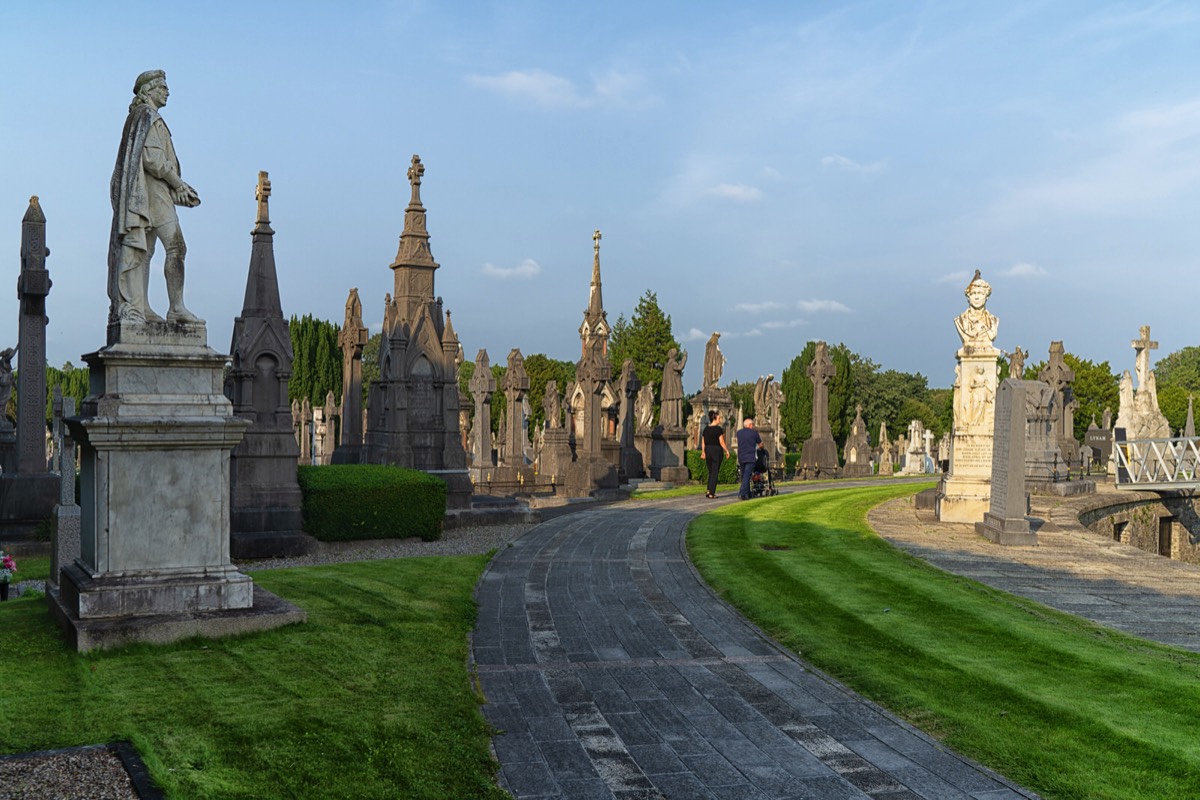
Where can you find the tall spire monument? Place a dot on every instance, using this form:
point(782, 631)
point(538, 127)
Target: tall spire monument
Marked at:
point(265, 501)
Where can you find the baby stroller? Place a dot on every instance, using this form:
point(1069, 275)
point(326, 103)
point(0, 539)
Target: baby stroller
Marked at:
point(761, 482)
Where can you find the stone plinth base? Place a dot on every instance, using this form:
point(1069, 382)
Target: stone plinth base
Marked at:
point(586, 477)
point(347, 454)
point(667, 454)
point(87, 595)
point(964, 499)
point(1006, 531)
point(819, 458)
point(555, 458)
point(270, 544)
point(1061, 488)
point(458, 486)
point(266, 611)
point(25, 501)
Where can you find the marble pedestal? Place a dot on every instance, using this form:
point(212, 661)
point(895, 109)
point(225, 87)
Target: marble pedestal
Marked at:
point(155, 436)
point(965, 493)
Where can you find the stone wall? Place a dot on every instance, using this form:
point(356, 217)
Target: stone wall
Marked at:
point(1166, 525)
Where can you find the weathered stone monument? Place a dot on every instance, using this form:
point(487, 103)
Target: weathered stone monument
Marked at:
point(643, 412)
point(412, 416)
point(670, 437)
point(1004, 522)
point(964, 493)
point(155, 436)
point(65, 523)
point(28, 491)
point(1060, 377)
point(483, 386)
point(1099, 441)
point(916, 453)
point(353, 338)
point(1139, 413)
point(768, 397)
point(627, 390)
point(591, 399)
point(884, 454)
point(857, 451)
point(265, 500)
point(713, 397)
point(516, 390)
point(819, 456)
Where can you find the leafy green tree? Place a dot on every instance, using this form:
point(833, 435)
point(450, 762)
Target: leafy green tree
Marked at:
point(1173, 402)
point(796, 411)
point(646, 338)
point(73, 380)
point(1181, 368)
point(542, 368)
point(742, 395)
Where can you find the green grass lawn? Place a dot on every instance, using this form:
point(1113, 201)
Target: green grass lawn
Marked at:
point(32, 568)
point(1056, 703)
point(369, 698)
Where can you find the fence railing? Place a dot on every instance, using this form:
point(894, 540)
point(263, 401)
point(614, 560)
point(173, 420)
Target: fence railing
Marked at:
point(1156, 463)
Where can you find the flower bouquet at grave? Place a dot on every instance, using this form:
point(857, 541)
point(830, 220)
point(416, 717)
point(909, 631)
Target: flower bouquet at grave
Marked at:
point(8, 565)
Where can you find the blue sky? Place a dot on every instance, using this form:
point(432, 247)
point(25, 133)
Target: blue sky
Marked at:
point(775, 171)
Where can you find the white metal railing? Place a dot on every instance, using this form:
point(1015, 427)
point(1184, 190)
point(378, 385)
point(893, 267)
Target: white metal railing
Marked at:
point(1157, 463)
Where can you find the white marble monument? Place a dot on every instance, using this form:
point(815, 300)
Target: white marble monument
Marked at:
point(965, 492)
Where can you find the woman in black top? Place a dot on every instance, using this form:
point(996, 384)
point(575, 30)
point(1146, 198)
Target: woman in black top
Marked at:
point(715, 450)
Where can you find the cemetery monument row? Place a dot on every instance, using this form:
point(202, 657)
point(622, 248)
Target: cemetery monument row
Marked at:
point(155, 566)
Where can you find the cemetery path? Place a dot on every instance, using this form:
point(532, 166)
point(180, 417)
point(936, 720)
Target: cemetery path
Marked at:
point(612, 671)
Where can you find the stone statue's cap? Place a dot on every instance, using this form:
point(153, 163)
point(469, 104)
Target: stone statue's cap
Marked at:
point(980, 282)
point(146, 77)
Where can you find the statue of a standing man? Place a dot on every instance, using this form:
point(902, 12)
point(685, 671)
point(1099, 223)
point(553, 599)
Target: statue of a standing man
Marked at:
point(145, 189)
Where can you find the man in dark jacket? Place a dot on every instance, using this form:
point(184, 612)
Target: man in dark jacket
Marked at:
point(747, 445)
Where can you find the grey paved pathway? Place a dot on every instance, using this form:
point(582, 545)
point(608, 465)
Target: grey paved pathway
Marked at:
point(613, 672)
point(1072, 569)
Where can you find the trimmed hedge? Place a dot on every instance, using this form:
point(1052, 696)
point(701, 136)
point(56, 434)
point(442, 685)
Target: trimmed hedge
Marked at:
point(343, 502)
point(790, 462)
point(698, 468)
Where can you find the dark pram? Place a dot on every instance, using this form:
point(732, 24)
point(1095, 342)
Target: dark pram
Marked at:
point(761, 482)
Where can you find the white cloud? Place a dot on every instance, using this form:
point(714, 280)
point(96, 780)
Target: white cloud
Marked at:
point(738, 192)
point(850, 165)
point(536, 85)
point(758, 308)
point(613, 88)
point(525, 270)
point(694, 335)
point(961, 276)
point(778, 324)
point(1024, 269)
point(815, 306)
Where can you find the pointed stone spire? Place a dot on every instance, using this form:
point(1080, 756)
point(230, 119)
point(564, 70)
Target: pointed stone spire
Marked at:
point(449, 337)
point(33, 285)
point(1189, 427)
point(262, 282)
point(595, 318)
point(414, 241)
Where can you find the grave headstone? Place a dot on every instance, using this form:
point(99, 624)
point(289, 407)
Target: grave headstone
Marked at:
point(819, 455)
point(482, 385)
point(857, 451)
point(1060, 377)
point(1004, 522)
point(628, 388)
point(353, 338)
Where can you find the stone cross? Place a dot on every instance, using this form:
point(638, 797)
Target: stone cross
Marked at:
point(414, 177)
point(1143, 346)
point(482, 385)
point(353, 338)
point(821, 371)
point(261, 193)
point(596, 239)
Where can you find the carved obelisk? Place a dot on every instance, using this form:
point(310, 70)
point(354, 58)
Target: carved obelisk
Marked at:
point(33, 285)
point(819, 456)
point(265, 499)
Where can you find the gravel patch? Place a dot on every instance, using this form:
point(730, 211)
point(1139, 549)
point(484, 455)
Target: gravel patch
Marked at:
point(91, 773)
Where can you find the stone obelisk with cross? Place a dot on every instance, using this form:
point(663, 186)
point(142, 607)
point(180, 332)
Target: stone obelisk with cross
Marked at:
point(265, 499)
point(819, 456)
point(353, 339)
point(1060, 377)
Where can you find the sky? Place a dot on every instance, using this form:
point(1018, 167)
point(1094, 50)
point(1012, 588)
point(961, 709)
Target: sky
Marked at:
point(778, 172)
